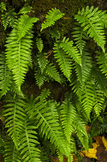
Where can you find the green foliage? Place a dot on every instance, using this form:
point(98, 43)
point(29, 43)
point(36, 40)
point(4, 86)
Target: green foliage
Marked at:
point(39, 43)
point(52, 16)
point(9, 19)
point(35, 122)
point(2, 6)
point(90, 20)
point(19, 48)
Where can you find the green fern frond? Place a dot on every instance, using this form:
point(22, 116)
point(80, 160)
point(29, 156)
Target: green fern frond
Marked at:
point(80, 128)
point(64, 61)
point(87, 98)
point(52, 16)
point(24, 24)
point(42, 61)
point(98, 101)
point(100, 79)
point(18, 55)
point(9, 19)
point(103, 17)
point(25, 10)
point(48, 123)
point(68, 115)
point(52, 72)
point(83, 72)
point(11, 154)
point(5, 76)
point(40, 78)
point(44, 94)
point(71, 50)
point(102, 61)
point(39, 43)
point(28, 143)
point(15, 115)
point(79, 36)
point(90, 21)
point(55, 34)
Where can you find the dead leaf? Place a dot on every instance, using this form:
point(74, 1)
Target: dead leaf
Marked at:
point(104, 142)
point(75, 159)
point(54, 159)
point(98, 140)
point(91, 153)
point(88, 128)
point(86, 159)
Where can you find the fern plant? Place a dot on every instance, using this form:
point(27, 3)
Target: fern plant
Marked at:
point(28, 120)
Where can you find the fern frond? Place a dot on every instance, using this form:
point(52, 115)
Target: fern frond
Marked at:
point(18, 56)
point(44, 94)
point(71, 50)
point(52, 16)
point(83, 71)
point(19, 48)
point(80, 128)
point(24, 24)
point(98, 101)
point(9, 19)
point(103, 17)
point(79, 36)
point(68, 115)
point(25, 10)
point(102, 61)
point(40, 78)
point(64, 61)
point(28, 143)
point(48, 122)
point(52, 72)
point(5, 76)
point(42, 61)
point(14, 113)
point(87, 98)
point(11, 154)
point(100, 79)
point(90, 21)
point(55, 33)
point(39, 43)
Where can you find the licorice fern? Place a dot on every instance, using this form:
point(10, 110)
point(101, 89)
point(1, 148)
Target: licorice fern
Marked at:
point(30, 122)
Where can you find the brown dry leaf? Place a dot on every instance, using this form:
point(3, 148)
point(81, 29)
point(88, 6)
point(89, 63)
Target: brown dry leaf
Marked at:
point(98, 140)
point(91, 153)
point(75, 159)
point(54, 159)
point(88, 128)
point(104, 142)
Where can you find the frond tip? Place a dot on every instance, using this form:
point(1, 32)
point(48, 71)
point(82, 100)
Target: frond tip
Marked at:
point(52, 16)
